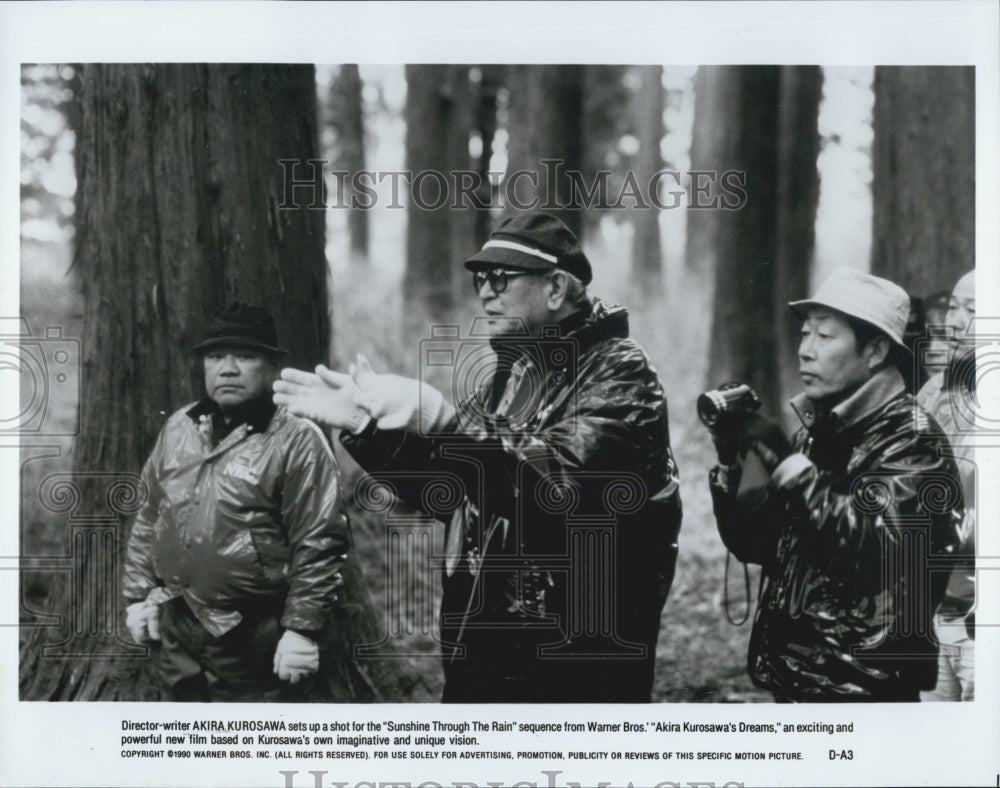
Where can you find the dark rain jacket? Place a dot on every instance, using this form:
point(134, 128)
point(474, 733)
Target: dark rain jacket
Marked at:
point(563, 526)
point(848, 546)
point(246, 524)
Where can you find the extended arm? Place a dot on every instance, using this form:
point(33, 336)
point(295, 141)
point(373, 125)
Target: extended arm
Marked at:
point(614, 420)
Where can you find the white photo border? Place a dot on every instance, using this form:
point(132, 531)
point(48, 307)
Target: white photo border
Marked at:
point(78, 744)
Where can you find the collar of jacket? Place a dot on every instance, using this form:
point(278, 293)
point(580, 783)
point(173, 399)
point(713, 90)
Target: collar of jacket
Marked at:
point(880, 388)
point(256, 413)
point(589, 325)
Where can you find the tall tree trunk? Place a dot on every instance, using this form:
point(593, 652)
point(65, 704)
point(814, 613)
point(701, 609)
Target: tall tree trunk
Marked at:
point(491, 80)
point(711, 134)
point(646, 255)
point(463, 94)
point(762, 249)
point(607, 117)
point(348, 121)
point(745, 245)
point(179, 187)
point(545, 118)
point(798, 198)
point(924, 185)
point(439, 117)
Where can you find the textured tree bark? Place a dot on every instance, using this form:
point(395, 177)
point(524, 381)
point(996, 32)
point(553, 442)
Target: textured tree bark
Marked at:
point(544, 124)
point(348, 121)
point(440, 115)
point(463, 94)
point(924, 176)
point(798, 198)
point(761, 249)
point(745, 242)
point(714, 95)
point(179, 187)
point(491, 79)
point(646, 256)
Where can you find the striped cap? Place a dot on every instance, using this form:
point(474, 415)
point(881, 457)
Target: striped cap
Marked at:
point(534, 241)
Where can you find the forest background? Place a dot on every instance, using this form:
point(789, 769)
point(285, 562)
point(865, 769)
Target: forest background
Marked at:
point(153, 194)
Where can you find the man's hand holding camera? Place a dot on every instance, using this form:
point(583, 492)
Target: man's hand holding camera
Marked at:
point(731, 414)
point(738, 434)
point(726, 438)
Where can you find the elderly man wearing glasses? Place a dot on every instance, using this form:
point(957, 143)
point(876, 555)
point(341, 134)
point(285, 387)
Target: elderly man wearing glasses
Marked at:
point(560, 553)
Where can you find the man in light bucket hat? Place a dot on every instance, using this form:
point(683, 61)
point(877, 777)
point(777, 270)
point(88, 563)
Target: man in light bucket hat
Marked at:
point(854, 507)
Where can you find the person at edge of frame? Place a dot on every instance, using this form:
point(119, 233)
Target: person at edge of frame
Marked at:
point(234, 561)
point(521, 622)
point(946, 396)
point(848, 513)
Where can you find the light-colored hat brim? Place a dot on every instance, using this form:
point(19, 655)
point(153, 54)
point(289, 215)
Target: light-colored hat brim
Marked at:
point(801, 307)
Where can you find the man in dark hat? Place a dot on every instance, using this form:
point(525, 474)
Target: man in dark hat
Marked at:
point(853, 519)
point(562, 539)
point(234, 560)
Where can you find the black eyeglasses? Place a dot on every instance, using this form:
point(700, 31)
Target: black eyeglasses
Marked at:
point(497, 277)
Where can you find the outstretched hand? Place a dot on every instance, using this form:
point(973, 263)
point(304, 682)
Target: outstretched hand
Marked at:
point(395, 402)
point(325, 396)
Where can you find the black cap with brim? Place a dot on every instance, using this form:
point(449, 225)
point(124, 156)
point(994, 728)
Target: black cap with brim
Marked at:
point(242, 325)
point(238, 342)
point(488, 258)
point(534, 242)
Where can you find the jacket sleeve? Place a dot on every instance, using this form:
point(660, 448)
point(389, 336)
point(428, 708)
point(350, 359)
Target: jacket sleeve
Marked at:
point(749, 523)
point(317, 530)
point(402, 453)
point(908, 485)
point(615, 421)
point(139, 574)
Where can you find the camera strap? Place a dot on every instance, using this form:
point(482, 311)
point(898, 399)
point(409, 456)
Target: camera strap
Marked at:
point(725, 594)
point(475, 583)
point(753, 476)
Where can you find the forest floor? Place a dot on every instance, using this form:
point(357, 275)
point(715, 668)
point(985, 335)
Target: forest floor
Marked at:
point(701, 657)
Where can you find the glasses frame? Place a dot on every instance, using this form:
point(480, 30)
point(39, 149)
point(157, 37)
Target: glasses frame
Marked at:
point(498, 278)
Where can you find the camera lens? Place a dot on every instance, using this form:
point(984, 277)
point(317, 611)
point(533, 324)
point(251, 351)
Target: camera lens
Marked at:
point(708, 408)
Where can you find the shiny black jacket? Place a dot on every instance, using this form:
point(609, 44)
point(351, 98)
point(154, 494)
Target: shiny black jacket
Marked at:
point(250, 521)
point(848, 546)
point(563, 526)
